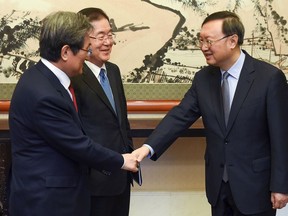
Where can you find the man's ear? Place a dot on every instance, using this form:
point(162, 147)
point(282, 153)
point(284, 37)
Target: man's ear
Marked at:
point(234, 40)
point(65, 52)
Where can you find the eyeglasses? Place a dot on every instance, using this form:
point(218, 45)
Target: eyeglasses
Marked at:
point(209, 43)
point(89, 51)
point(103, 38)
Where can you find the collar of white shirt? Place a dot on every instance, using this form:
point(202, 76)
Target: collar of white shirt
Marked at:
point(95, 69)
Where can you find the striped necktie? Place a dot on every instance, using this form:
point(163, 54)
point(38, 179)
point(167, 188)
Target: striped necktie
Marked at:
point(226, 96)
point(226, 109)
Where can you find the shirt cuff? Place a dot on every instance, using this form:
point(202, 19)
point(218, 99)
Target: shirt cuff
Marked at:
point(151, 153)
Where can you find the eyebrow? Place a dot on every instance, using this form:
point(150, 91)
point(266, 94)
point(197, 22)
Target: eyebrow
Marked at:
point(103, 32)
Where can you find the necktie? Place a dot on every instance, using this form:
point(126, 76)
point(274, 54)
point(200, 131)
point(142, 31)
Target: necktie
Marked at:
point(226, 108)
point(226, 96)
point(71, 89)
point(106, 87)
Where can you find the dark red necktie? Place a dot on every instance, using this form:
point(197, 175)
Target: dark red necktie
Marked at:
point(71, 89)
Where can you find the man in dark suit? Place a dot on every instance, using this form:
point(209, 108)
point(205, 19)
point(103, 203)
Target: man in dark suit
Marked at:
point(50, 152)
point(103, 120)
point(246, 159)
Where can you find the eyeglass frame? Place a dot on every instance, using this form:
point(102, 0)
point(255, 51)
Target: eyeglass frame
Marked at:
point(89, 50)
point(103, 38)
point(209, 43)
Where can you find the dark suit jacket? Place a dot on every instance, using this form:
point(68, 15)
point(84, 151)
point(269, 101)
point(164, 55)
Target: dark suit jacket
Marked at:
point(50, 153)
point(101, 123)
point(255, 144)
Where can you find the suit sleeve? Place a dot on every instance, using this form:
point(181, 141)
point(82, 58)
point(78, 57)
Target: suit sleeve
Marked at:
point(56, 122)
point(178, 119)
point(277, 114)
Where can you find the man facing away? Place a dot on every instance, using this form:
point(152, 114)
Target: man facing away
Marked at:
point(50, 152)
point(243, 103)
point(104, 120)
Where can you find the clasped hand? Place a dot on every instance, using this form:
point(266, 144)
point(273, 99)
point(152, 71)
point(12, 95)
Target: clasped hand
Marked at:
point(132, 161)
point(141, 153)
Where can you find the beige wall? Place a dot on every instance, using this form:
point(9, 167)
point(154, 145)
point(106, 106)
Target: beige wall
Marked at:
point(180, 168)
point(173, 185)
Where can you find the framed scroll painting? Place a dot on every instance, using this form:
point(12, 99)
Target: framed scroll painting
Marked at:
point(155, 45)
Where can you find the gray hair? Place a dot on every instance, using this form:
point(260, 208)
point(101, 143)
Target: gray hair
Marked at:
point(62, 28)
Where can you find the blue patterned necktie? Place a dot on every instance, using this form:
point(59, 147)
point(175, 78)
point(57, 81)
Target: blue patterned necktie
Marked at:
point(106, 87)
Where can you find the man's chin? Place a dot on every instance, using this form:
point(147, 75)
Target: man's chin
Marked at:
point(105, 58)
point(210, 62)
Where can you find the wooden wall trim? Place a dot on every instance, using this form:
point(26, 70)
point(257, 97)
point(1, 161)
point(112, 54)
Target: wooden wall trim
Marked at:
point(4, 106)
point(151, 105)
point(132, 105)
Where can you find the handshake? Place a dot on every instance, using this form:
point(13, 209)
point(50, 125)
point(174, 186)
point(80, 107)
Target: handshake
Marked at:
point(132, 160)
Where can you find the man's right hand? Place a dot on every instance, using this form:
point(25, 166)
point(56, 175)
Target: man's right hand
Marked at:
point(141, 153)
point(130, 162)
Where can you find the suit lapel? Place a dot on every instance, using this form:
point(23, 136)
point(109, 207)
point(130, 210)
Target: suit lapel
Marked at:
point(55, 82)
point(93, 83)
point(58, 86)
point(114, 88)
point(216, 99)
point(244, 84)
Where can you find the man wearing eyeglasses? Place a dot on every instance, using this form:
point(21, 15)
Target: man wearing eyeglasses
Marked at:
point(243, 103)
point(50, 152)
point(103, 112)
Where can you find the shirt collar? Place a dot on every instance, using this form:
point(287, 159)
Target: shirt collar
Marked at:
point(61, 75)
point(235, 70)
point(95, 69)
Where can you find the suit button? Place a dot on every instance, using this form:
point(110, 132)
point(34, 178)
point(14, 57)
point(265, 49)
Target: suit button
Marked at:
point(107, 173)
point(221, 165)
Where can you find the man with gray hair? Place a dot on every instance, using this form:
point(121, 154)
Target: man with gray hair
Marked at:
point(50, 152)
point(104, 118)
